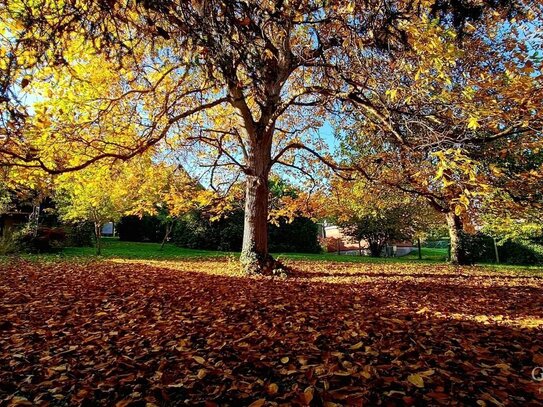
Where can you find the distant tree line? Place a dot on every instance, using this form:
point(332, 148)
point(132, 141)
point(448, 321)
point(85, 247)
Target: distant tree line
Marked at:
point(197, 230)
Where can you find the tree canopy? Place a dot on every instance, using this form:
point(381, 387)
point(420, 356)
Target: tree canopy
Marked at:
point(242, 86)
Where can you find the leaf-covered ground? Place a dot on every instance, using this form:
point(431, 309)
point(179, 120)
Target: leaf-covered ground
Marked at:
point(198, 333)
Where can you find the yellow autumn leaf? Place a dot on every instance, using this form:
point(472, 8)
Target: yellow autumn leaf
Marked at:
point(284, 359)
point(473, 123)
point(427, 373)
point(356, 346)
point(423, 310)
point(392, 93)
point(416, 380)
point(258, 403)
point(199, 359)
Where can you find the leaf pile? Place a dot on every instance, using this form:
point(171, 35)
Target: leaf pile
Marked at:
point(131, 334)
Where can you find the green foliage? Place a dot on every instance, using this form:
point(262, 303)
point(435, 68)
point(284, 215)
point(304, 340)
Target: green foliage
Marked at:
point(298, 236)
point(379, 228)
point(145, 229)
point(195, 230)
point(477, 248)
point(9, 243)
point(521, 252)
point(5, 200)
point(480, 249)
point(80, 235)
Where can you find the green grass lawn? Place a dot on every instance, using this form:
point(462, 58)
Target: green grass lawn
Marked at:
point(114, 248)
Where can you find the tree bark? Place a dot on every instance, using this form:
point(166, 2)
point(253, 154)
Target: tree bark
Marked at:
point(254, 252)
point(169, 228)
point(420, 251)
point(98, 233)
point(375, 248)
point(456, 230)
point(496, 253)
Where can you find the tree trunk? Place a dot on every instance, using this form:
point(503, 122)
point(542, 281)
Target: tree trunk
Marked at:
point(420, 251)
point(496, 253)
point(456, 230)
point(169, 228)
point(98, 234)
point(375, 248)
point(254, 252)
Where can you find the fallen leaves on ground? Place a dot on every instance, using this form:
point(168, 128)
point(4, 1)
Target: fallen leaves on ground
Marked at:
point(198, 333)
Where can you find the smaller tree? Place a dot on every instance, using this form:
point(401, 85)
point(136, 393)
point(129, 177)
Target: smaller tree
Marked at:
point(104, 192)
point(96, 194)
point(378, 228)
point(379, 214)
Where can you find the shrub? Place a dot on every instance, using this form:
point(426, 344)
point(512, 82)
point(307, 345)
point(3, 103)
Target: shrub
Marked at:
point(298, 236)
point(80, 235)
point(135, 229)
point(521, 252)
point(9, 243)
point(45, 240)
point(196, 231)
point(480, 249)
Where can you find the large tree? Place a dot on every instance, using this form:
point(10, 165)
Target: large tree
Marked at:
point(243, 82)
point(456, 119)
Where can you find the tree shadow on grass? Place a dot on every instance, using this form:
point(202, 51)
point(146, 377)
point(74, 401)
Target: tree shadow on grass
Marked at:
point(135, 334)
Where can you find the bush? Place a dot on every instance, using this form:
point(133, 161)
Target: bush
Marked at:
point(146, 229)
point(480, 249)
point(80, 235)
point(9, 243)
point(521, 252)
point(298, 236)
point(230, 232)
point(196, 231)
point(45, 240)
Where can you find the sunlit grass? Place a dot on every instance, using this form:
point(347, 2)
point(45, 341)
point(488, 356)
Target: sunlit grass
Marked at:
point(114, 248)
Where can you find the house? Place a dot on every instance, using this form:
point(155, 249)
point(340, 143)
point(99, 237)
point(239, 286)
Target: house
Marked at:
point(333, 240)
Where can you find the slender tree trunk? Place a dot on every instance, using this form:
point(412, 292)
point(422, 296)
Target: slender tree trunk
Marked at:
point(456, 230)
point(418, 246)
point(359, 248)
point(98, 233)
point(169, 228)
point(496, 253)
